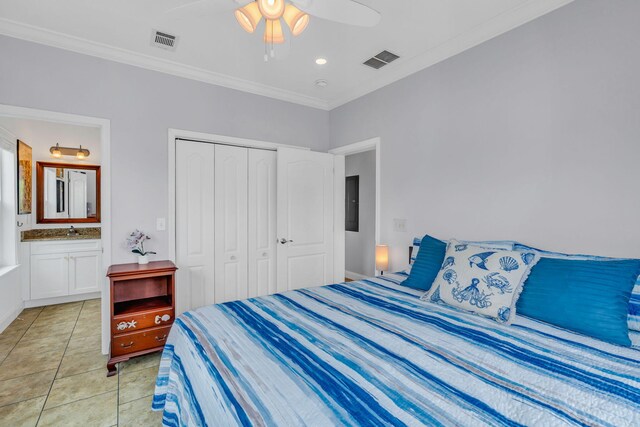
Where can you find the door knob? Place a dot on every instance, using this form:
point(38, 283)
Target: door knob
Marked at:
point(285, 241)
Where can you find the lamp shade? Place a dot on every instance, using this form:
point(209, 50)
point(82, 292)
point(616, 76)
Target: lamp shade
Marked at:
point(296, 19)
point(271, 9)
point(382, 257)
point(273, 32)
point(249, 17)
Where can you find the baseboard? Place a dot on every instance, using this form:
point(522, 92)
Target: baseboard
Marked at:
point(10, 317)
point(61, 300)
point(354, 276)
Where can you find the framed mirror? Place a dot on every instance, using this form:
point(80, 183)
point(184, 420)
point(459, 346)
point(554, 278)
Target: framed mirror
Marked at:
point(67, 193)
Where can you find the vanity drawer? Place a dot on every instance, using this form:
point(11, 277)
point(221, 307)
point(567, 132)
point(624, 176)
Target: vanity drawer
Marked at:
point(125, 323)
point(138, 341)
point(62, 246)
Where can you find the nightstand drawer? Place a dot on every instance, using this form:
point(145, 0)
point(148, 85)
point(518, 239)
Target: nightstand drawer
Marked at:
point(138, 341)
point(126, 323)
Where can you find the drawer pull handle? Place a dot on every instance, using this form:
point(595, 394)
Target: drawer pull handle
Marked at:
point(162, 338)
point(163, 318)
point(123, 345)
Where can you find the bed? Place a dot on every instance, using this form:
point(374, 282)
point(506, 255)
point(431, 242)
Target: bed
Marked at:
point(371, 353)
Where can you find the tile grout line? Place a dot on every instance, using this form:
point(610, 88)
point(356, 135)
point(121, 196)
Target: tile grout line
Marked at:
point(9, 353)
point(59, 364)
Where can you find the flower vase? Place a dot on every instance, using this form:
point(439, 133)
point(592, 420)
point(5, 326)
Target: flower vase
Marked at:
point(143, 259)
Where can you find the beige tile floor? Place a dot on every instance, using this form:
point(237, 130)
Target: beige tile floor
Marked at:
point(52, 373)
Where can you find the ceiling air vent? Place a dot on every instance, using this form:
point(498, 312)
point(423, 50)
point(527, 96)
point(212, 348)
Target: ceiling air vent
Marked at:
point(380, 60)
point(163, 40)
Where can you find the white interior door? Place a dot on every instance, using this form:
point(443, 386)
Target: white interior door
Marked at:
point(305, 218)
point(262, 223)
point(194, 225)
point(77, 194)
point(230, 223)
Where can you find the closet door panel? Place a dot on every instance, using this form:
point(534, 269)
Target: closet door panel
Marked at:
point(194, 224)
point(262, 223)
point(230, 223)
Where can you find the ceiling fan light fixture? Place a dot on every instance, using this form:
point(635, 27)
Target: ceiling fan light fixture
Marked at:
point(271, 9)
point(273, 32)
point(296, 19)
point(249, 17)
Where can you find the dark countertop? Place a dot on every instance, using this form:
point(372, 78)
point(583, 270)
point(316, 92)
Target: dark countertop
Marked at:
point(39, 234)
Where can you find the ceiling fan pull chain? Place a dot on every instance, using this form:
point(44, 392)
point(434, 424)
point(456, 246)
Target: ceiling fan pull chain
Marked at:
point(273, 51)
point(266, 56)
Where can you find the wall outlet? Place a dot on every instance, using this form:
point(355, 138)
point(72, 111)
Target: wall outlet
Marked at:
point(161, 224)
point(400, 225)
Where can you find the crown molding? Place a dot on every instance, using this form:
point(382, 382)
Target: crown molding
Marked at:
point(87, 47)
point(499, 25)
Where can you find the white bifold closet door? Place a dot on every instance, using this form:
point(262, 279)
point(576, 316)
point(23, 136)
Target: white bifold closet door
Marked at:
point(195, 197)
point(230, 218)
point(251, 222)
point(262, 223)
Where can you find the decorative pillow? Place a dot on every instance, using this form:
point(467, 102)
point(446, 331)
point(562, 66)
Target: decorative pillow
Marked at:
point(427, 264)
point(498, 244)
point(633, 318)
point(414, 254)
point(585, 296)
point(485, 282)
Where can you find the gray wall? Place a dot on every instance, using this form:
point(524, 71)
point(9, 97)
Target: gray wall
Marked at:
point(142, 105)
point(360, 246)
point(534, 136)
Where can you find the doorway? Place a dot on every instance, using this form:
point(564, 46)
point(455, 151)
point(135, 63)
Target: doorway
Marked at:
point(102, 128)
point(362, 203)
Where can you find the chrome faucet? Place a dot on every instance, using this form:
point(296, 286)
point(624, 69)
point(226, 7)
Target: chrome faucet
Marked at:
point(72, 231)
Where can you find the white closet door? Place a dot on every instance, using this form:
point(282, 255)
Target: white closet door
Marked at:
point(230, 223)
point(305, 219)
point(194, 225)
point(262, 223)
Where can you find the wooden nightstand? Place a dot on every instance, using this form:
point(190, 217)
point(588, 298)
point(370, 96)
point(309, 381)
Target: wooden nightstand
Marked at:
point(142, 309)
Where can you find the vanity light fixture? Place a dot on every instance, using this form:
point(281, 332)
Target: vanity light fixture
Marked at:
point(55, 151)
point(78, 153)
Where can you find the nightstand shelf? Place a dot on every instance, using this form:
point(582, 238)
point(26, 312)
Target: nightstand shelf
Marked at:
point(142, 309)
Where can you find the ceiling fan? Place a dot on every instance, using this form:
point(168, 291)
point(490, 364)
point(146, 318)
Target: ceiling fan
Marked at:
point(296, 15)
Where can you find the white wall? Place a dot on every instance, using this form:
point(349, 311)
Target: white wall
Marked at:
point(141, 106)
point(360, 246)
point(11, 301)
point(532, 136)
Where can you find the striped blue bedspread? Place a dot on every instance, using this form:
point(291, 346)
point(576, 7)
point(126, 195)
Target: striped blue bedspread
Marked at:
point(370, 353)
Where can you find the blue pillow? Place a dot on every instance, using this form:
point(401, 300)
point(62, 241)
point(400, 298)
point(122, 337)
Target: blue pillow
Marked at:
point(427, 264)
point(586, 296)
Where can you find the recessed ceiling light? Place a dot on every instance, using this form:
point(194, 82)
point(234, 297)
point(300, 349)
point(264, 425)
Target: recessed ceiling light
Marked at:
point(321, 61)
point(321, 83)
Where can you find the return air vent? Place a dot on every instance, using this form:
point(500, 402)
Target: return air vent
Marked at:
point(163, 40)
point(380, 60)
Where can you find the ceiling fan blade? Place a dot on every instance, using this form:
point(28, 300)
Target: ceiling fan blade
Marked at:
point(212, 5)
point(343, 11)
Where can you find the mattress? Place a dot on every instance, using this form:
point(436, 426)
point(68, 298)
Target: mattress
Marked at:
point(370, 353)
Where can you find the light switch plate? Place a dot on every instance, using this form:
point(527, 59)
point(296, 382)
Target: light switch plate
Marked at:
point(161, 224)
point(400, 225)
